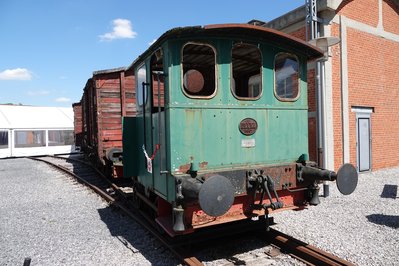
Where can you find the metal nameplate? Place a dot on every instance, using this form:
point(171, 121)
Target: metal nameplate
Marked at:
point(247, 143)
point(248, 126)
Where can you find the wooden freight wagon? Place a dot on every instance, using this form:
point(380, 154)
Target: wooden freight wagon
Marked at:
point(108, 96)
point(77, 124)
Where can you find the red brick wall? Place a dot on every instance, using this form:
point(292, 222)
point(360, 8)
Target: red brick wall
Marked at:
point(301, 33)
point(373, 78)
point(365, 11)
point(373, 81)
point(312, 90)
point(336, 99)
point(391, 16)
point(312, 127)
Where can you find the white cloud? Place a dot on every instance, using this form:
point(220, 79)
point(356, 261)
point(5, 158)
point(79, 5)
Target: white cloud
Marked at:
point(16, 74)
point(62, 100)
point(39, 92)
point(122, 29)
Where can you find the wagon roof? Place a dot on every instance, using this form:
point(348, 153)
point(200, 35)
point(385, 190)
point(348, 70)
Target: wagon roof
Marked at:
point(108, 71)
point(238, 29)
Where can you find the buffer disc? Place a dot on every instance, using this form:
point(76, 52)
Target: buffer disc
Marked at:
point(216, 195)
point(347, 179)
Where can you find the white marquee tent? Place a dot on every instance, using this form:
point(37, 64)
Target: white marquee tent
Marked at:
point(31, 130)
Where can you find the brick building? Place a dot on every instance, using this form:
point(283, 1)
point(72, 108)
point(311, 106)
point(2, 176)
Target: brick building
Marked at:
point(359, 118)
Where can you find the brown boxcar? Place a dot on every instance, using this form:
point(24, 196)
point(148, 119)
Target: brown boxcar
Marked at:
point(78, 124)
point(108, 96)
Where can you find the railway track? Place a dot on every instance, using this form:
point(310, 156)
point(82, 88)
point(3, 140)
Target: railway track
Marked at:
point(304, 252)
point(86, 174)
point(119, 197)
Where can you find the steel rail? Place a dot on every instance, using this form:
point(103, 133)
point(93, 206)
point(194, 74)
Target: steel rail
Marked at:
point(138, 217)
point(308, 254)
point(99, 191)
point(115, 187)
point(304, 252)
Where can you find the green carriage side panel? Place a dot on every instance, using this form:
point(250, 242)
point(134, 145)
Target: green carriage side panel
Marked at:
point(160, 180)
point(211, 138)
point(131, 135)
point(205, 132)
point(288, 135)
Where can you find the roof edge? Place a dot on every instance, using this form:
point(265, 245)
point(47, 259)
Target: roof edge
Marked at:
point(299, 14)
point(107, 71)
point(311, 51)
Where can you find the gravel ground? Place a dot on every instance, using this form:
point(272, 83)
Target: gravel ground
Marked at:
point(55, 221)
point(362, 227)
point(40, 219)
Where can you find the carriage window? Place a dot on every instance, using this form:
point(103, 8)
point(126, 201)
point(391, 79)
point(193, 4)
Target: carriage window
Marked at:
point(246, 67)
point(199, 70)
point(30, 138)
point(286, 69)
point(3, 139)
point(158, 81)
point(60, 137)
point(141, 77)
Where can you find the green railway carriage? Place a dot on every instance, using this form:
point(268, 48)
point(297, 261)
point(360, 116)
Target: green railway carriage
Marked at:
point(222, 127)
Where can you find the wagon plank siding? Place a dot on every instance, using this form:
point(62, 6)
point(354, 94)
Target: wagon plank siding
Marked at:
point(78, 123)
point(108, 96)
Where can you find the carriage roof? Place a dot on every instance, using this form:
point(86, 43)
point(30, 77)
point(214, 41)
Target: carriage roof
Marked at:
point(241, 31)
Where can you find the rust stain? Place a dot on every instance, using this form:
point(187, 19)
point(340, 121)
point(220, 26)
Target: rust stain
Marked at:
point(184, 168)
point(203, 165)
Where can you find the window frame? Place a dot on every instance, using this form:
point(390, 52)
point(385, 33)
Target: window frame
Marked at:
point(62, 135)
point(30, 145)
point(139, 87)
point(5, 146)
point(182, 72)
point(260, 75)
point(282, 99)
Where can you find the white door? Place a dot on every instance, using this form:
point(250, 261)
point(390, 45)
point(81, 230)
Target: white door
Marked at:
point(5, 143)
point(364, 143)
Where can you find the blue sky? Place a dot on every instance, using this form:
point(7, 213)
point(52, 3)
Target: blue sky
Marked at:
point(49, 48)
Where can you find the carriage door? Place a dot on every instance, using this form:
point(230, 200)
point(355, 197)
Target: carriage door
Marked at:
point(363, 139)
point(158, 122)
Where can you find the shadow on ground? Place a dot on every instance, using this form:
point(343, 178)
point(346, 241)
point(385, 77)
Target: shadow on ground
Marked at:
point(382, 219)
point(136, 238)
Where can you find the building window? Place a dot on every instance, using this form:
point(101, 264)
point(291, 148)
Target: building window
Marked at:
point(3, 139)
point(286, 69)
point(141, 78)
point(199, 70)
point(246, 67)
point(30, 138)
point(60, 137)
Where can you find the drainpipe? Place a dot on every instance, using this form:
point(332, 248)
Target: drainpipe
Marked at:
point(312, 21)
point(322, 155)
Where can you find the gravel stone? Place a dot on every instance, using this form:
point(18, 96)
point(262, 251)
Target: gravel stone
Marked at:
point(53, 220)
point(362, 227)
